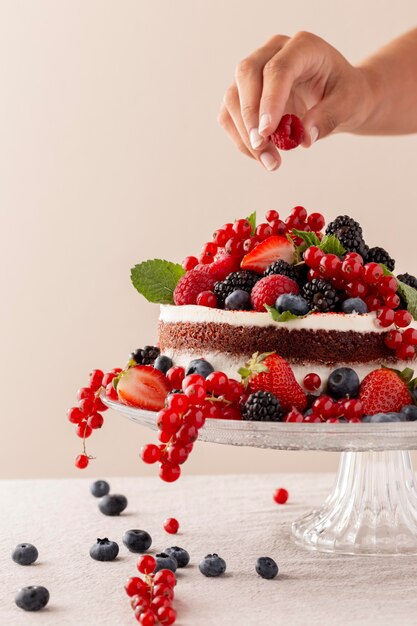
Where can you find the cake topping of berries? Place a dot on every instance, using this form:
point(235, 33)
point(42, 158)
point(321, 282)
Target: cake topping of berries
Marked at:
point(191, 285)
point(146, 355)
point(267, 290)
point(379, 255)
point(283, 268)
point(289, 133)
point(243, 280)
point(270, 372)
point(321, 295)
point(383, 391)
point(271, 249)
point(349, 233)
point(262, 406)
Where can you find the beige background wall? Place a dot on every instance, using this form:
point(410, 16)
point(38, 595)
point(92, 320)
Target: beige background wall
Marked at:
point(110, 154)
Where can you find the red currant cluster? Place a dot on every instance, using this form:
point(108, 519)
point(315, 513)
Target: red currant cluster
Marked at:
point(236, 239)
point(152, 596)
point(367, 282)
point(216, 396)
point(88, 414)
point(326, 409)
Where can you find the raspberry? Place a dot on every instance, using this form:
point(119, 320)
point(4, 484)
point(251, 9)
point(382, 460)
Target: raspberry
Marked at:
point(221, 267)
point(289, 134)
point(190, 285)
point(267, 290)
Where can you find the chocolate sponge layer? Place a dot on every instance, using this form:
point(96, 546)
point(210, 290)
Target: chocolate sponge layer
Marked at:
point(298, 346)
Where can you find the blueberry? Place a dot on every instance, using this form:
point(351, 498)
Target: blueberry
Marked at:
point(163, 363)
point(354, 305)
point(292, 303)
point(266, 567)
point(100, 488)
point(199, 366)
point(25, 554)
point(104, 550)
point(165, 561)
point(343, 382)
point(32, 598)
point(112, 504)
point(410, 412)
point(380, 418)
point(137, 540)
point(238, 300)
point(212, 565)
point(181, 556)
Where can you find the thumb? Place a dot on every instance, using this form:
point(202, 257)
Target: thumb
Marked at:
point(323, 119)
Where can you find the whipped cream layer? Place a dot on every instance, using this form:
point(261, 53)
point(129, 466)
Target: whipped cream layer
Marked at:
point(316, 321)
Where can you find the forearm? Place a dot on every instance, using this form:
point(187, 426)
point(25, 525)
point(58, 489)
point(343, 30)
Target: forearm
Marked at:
point(391, 74)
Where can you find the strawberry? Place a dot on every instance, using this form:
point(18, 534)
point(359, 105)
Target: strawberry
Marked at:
point(383, 391)
point(223, 265)
point(271, 372)
point(270, 250)
point(190, 285)
point(267, 290)
point(144, 387)
point(289, 134)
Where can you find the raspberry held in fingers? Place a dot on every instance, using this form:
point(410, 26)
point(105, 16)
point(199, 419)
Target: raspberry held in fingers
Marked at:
point(289, 134)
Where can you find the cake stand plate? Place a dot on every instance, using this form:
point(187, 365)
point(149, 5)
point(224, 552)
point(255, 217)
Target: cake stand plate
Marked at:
point(373, 506)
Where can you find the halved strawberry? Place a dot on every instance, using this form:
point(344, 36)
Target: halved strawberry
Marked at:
point(268, 251)
point(144, 387)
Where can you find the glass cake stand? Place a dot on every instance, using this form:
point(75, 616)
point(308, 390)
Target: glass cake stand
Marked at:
point(373, 506)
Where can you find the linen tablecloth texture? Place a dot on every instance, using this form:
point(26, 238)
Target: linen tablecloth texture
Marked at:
point(234, 516)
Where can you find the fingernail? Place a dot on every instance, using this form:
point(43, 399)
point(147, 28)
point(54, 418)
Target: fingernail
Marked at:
point(264, 121)
point(268, 161)
point(314, 133)
point(255, 138)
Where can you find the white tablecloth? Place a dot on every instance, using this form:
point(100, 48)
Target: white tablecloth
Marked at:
point(234, 516)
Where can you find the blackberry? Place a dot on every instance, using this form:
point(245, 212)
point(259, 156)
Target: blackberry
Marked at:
point(379, 255)
point(320, 295)
point(236, 280)
point(284, 268)
point(408, 279)
point(349, 233)
point(146, 355)
point(262, 406)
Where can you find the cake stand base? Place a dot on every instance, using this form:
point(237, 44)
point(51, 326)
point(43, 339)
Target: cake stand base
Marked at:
point(372, 509)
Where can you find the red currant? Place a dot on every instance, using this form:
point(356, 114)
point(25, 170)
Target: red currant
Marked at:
point(392, 301)
point(281, 495)
point(278, 227)
point(189, 263)
point(231, 413)
point(207, 298)
point(354, 255)
point(81, 461)
point(83, 430)
point(163, 436)
point(385, 317)
point(213, 411)
point(195, 394)
point(85, 392)
point(167, 615)
point(177, 454)
point(323, 406)
point(96, 377)
point(228, 229)
point(220, 237)
point(234, 390)
point(393, 339)
point(133, 585)
point(165, 576)
point(271, 216)
point(299, 212)
point(316, 222)
point(75, 416)
point(410, 336)
point(111, 392)
point(86, 405)
point(312, 274)
point(249, 244)
point(205, 259)
point(387, 285)
point(234, 246)
point(171, 526)
point(193, 379)
point(263, 231)
point(147, 618)
point(217, 383)
point(356, 289)
point(169, 473)
point(312, 382)
point(351, 269)
point(352, 409)
point(372, 273)
point(175, 376)
point(168, 421)
point(150, 453)
point(294, 416)
point(178, 402)
point(402, 318)
point(330, 265)
point(373, 303)
point(312, 256)
point(209, 248)
point(95, 421)
point(405, 352)
point(187, 434)
point(146, 564)
point(242, 228)
point(108, 378)
point(195, 417)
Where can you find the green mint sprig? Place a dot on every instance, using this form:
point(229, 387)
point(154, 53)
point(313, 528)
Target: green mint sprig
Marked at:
point(156, 280)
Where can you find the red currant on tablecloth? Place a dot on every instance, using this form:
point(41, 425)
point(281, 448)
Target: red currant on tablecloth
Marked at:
point(281, 496)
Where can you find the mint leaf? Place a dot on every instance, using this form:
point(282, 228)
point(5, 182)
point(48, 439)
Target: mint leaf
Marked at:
point(156, 280)
point(252, 221)
point(286, 316)
point(331, 245)
point(409, 294)
point(310, 239)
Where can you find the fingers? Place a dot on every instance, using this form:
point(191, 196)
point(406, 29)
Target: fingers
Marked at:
point(329, 114)
point(267, 154)
point(298, 59)
point(227, 124)
point(249, 81)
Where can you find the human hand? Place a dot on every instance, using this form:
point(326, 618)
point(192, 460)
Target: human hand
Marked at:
point(303, 75)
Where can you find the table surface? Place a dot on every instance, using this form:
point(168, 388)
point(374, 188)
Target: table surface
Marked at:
point(234, 516)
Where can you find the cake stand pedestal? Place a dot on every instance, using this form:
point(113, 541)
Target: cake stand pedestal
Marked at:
point(372, 509)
